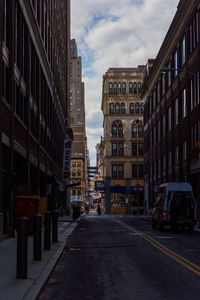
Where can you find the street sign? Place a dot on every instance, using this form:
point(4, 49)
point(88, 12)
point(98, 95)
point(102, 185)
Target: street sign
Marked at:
point(67, 158)
point(100, 185)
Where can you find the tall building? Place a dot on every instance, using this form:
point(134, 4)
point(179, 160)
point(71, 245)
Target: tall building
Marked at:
point(123, 139)
point(172, 106)
point(34, 96)
point(77, 123)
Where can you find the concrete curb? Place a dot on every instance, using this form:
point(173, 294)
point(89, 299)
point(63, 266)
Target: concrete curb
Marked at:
point(38, 284)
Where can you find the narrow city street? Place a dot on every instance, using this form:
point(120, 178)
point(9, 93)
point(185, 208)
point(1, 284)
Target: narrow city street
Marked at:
point(121, 257)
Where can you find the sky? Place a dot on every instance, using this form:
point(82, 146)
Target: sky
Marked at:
point(112, 33)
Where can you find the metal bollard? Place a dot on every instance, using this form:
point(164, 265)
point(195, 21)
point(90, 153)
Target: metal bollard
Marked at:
point(22, 248)
point(55, 226)
point(37, 243)
point(47, 231)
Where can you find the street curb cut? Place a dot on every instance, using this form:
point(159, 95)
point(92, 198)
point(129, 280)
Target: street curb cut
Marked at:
point(38, 284)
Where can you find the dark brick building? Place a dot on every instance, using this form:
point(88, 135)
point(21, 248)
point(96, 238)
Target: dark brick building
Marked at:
point(172, 105)
point(34, 102)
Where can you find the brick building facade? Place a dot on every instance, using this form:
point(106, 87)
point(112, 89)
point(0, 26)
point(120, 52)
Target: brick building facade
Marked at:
point(172, 105)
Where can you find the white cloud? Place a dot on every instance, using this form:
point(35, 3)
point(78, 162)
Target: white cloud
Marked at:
point(125, 34)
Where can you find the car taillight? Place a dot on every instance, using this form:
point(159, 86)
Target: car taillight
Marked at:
point(164, 213)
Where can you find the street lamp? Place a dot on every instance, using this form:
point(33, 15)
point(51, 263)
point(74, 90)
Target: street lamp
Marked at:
point(167, 69)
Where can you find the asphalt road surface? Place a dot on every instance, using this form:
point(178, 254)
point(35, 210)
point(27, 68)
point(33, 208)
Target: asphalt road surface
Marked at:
point(121, 257)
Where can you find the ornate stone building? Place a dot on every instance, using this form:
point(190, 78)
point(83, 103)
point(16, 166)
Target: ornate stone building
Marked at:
point(123, 139)
point(172, 105)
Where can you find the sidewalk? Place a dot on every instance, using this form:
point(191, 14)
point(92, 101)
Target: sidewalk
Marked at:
point(38, 271)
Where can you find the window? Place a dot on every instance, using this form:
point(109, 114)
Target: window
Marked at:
point(73, 192)
point(176, 155)
point(111, 108)
point(184, 107)
point(73, 164)
point(134, 149)
point(141, 149)
point(183, 51)
point(79, 172)
point(134, 130)
point(137, 108)
point(169, 119)
point(184, 150)
point(119, 87)
point(117, 108)
point(169, 156)
point(164, 163)
point(141, 171)
point(123, 108)
point(142, 107)
point(134, 171)
point(115, 88)
point(117, 149)
point(123, 88)
point(78, 164)
point(117, 129)
point(114, 149)
point(163, 125)
point(176, 112)
point(118, 171)
point(131, 108)
point(158, 130)
point(158, 92)
point(191, 39)
point(175, 63)
point(79, 191)
point(120, 130)
point(140, 131)
point(130, 88)
point(139, 87)
point(154, 99)
point(163, 84)
point(114, 130)
point(73, 173)
point(197, 27)
point(154, 135)
point(135, 88)
point(169, 75)
point(110, 87)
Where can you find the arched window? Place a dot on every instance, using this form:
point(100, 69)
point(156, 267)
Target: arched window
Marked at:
point(123, 88)
point(114, 130)
point(111, 108)
point(131, 108)
point(117, 108)
point(115, 88)
point(139, 87)
point(130, 88)
point(135, 88)
point(117, 129)
point(142, 108)
point(137, 108)
point(123, 108)
point(73, 173)
point(140, 131)
point(120, 130)
point(79, 172)
point(119, 88)
point(110, 87)
point(134, 130)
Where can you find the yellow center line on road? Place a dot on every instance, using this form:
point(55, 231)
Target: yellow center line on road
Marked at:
point(185, 262)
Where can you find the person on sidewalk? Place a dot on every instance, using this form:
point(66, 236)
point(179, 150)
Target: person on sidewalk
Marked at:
point(98, 210)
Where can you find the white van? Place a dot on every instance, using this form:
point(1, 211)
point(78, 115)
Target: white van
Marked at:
point(174, 205)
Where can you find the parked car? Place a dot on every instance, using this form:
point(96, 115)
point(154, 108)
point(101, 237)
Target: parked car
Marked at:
point(175, 206)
